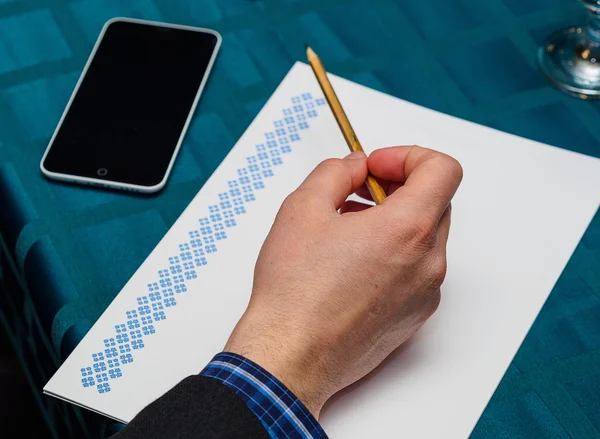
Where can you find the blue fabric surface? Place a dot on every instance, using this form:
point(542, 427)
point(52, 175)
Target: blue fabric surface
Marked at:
point(67, 250)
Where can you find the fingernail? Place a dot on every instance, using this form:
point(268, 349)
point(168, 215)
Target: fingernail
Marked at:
point(356, 155)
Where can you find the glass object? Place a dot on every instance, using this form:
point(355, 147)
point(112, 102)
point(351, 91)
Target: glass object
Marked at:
point(570, 58)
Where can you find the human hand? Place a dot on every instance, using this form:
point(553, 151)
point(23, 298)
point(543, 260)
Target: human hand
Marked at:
point(335, 293)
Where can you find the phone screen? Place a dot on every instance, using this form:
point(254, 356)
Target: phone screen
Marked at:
point(125, 121)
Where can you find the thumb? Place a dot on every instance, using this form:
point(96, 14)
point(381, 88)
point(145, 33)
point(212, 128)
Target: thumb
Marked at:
point(334, 180)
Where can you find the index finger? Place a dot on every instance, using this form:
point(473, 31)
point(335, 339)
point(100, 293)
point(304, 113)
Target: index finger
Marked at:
point(430, 178)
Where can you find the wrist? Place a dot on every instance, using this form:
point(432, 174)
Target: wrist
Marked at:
point(286, 359)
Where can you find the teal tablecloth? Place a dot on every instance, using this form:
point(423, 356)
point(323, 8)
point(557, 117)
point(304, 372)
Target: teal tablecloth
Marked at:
point(67, 250)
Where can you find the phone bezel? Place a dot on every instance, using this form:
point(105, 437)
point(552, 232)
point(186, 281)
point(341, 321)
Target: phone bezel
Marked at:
point(118, 184)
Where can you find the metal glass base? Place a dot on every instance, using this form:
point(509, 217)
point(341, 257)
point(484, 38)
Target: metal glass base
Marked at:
point(571, 64)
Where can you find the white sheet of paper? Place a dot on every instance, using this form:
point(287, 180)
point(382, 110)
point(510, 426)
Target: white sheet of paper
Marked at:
point(519, 214)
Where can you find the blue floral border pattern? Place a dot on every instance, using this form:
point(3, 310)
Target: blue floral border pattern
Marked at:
point(145, 317)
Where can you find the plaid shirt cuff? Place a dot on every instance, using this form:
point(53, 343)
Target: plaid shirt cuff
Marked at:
point(280, 411)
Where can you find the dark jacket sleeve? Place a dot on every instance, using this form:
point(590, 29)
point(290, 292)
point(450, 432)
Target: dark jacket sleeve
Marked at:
point(200, 408)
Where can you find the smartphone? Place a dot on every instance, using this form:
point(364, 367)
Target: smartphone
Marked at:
point(127, 117)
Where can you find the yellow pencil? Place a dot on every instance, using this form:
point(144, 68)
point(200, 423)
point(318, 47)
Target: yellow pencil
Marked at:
point(375, 189)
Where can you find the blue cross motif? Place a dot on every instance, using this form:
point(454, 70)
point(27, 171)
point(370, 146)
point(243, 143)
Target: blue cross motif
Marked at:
point(143, 300)
point(198, 252)
point(158, 305)
point(109, 342)
point(295, 99)
point(294, 137)
point(163, 273)
point(215, 217)
point(248, 198)
point(237, 202)
point(225, 204)
point(159, 315)
point(303, 125)
point(133, 323)
point(258, 185)
point(101, 377)
point(167, 293)
point(176, 269)
point(256, 177)
point(228, 214)
point(268, 173)
point(209, 239)
point(135, 334)
point(312, 113)
point(272, 144)
point(278, 123)
point(223, 196)
point(137, 344)
point(201, 261)
point(287, 111)
point(145, 309)
point(265, 165)
point(103, 388)
point(310, 105)
point(194, 234)
point(181, 288)
point(196, 243)
point(234, 192)
point(292, 129)
point(260, 147)
point(306, 96)
point(98, 357)
point(189, 275)
point(206, 230)
point(298, 108)
point(186, 256)
point(131, 314)
point(110, 352)
point(122, 338)
point(301, 117)
point(263, 156)
point(123, 349)
point(277, 161)
point(251, 159)
point(188, 265)
point(146, 320)
point(229, 223)
point(126, 358)
point(233, 183)
point(204, 221)
point(178, 279)
point(170, 301)
point(115, 373)
point(152, 287)
point(154, 297)
point(241, 172)
point(173, 260)
point(148, 330)
point(269, 135)
point(284, 141)
point(244, 180)
point(253, 168)
point(99, 366)
point(184, 247)
point(286, 149)
point(218, 226)
point(113, 362)
point(247, 189)
point(214, 208)
point(320, 101)
point(289, 120)
point(240, 210)
point(87, 382)
point(86, 371)
point(280, 132)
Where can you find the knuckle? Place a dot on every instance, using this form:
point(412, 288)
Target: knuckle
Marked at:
point(437, 272)
point(331, 165)
point(434, 297)
point(419, 233)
